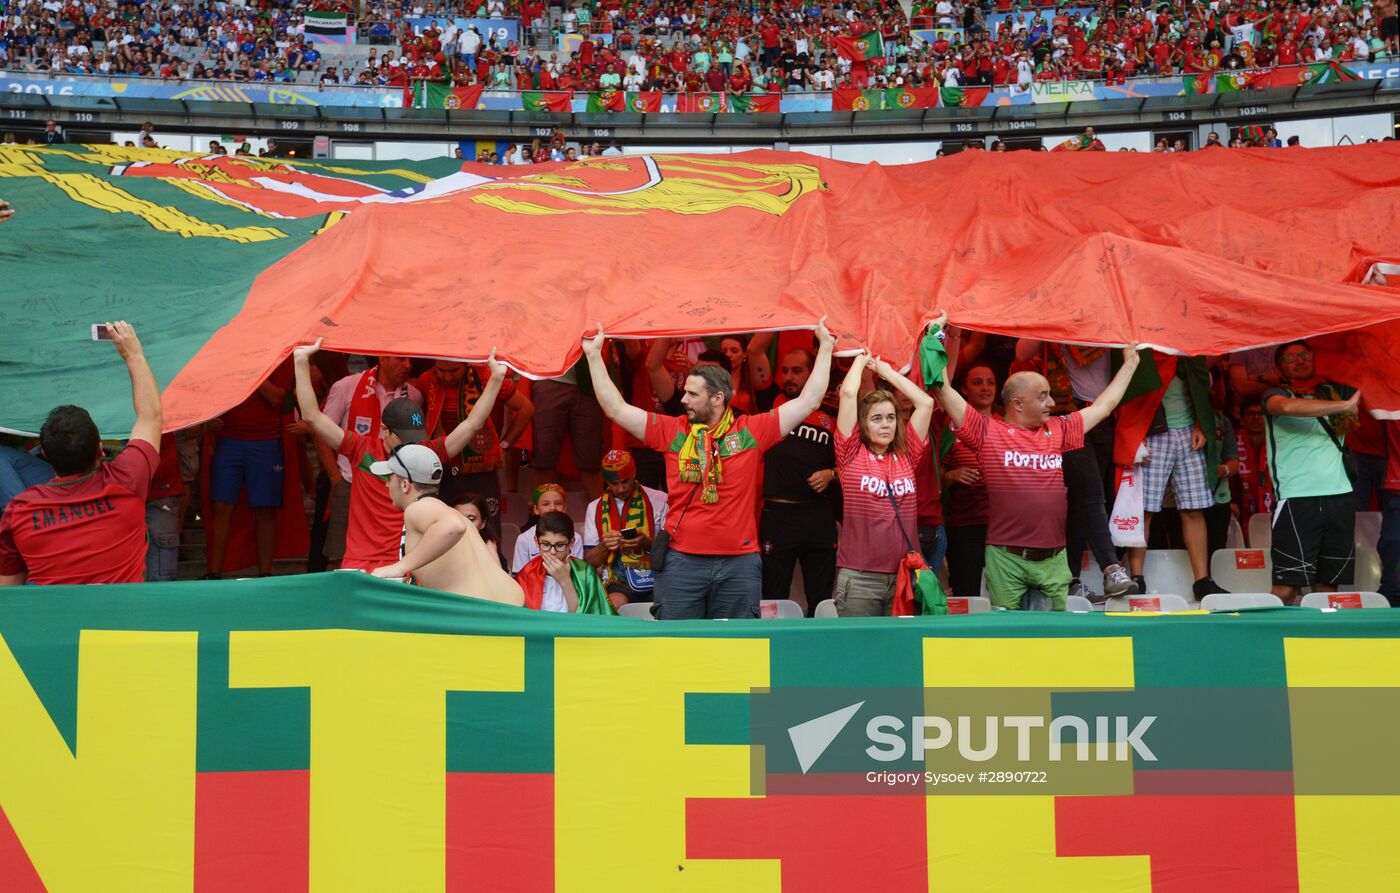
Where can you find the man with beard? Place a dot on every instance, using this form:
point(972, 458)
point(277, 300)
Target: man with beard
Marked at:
point(798, 523)
point(711, 566)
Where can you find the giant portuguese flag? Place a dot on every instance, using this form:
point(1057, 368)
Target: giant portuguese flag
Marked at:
point(226, 263)
point(338, 734)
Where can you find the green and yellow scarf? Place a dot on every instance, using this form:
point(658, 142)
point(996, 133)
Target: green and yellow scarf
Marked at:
point(699, 457)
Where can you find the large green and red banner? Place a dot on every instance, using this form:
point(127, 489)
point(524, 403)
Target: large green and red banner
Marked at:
point(226, 263)
point(340, 733)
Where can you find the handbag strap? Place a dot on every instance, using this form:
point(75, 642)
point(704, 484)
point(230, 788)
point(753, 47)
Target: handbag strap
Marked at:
point(899, 522)
point(684, 508)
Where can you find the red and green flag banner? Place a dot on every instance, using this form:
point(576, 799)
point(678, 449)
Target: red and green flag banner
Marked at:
point(1074, 144)
point(851, 99)
point(755, 102)
point(1197, 84)
point(870, 45)
point(911, 98)
point(258, 255)
point(963, 97)
point(442, 95)
point(647, 102)
point(1304, 75)
point(1254, 134)
point(700, 102)
point(550, 101)
point(607, 101)
point(342, 733)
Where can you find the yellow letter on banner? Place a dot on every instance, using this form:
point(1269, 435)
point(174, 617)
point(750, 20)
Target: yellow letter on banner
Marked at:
point(378, 741)
point(622, 769)
point(1010, 840)
point(1344, 841)
point(120, 814)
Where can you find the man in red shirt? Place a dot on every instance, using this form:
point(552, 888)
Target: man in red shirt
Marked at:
point(374, 531)
point(1021, 460)
point(248, 457)
point(714, 466)
point(88, 524)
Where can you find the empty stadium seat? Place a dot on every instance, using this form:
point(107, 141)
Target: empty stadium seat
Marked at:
point(1261, 531)
point(509, 534)
point(825, 608)
point(1345, 600)
point(1079, 604)
point(1168, 571)
point(1242, 570)
point(1158, 601)
point(782, 608)
point(972, 604)
point(1367, 576)
point(1234, 537)
point(1233, 601)
point(637, 610)
point(1368, 529)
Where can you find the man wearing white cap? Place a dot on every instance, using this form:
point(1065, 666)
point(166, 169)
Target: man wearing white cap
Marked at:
point(440, 549)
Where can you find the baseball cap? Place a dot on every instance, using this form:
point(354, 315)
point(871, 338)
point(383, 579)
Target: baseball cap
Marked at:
point(405, 418)
point(413, 462)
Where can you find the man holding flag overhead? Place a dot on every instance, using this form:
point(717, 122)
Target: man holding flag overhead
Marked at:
point(707, 561)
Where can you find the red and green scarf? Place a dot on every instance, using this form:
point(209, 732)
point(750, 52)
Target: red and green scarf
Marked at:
point(591, 597)
point(483, 453)
point(699, 456)
point(637, 513)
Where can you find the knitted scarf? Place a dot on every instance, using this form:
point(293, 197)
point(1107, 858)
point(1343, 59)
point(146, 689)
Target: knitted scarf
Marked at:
point(637, 513)
point(699, 457)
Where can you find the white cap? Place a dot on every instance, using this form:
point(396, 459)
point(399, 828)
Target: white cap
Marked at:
point(413, 462)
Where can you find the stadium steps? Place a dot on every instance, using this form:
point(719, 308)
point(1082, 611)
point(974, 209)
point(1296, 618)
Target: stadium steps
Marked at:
point(194, 560)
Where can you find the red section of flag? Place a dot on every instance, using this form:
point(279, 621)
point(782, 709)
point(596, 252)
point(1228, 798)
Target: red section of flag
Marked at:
point(17, 874)
point(843, 99)
point(500, 831)
point(765, 102)
point(1195, 842)
point(252, 831)
point(699, 102)
point(881, 846)
point(558, 101)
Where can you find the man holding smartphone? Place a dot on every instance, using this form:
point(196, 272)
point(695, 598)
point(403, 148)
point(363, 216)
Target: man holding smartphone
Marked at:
point(618, 529)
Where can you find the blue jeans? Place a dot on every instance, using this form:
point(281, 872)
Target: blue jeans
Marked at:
point(19, 471)
point(1389, 548)
point(933, 542)
point(163, 539)
point(693, 587)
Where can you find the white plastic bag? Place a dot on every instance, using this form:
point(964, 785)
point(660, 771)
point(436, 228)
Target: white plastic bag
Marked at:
point(1127, 524)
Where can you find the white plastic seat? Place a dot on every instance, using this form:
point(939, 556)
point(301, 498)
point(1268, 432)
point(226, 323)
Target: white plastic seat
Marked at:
point(1078, 604)
point(782, 608)
point(1163, 602)
point(636, 610)
point(1368, 529)
point(1233, 601)
point(1340, 600)
point(1261, 530)
point(1367, 576)
point(1234, 536)
point(1242, 570)
point(1168, 571)
point(825, 608)
point(970, 604)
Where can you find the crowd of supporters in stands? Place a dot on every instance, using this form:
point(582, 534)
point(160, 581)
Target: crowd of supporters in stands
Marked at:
point(698, 46)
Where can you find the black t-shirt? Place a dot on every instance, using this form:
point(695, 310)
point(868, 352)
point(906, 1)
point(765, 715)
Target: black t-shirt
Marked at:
point(808, 448)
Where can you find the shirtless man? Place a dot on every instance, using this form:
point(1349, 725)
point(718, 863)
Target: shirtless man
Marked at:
point(441, 549)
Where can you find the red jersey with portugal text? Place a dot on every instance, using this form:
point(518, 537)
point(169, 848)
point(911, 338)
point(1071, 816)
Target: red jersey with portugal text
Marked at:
point(729, 526)
point(871, 537)
point(1022, 471)
point(88, 528)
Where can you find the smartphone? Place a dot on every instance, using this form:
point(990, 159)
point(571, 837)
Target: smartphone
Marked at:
point(100, 332)
point(629, 533)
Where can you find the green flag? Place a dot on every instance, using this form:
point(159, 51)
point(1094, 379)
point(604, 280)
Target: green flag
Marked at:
point(591, 597)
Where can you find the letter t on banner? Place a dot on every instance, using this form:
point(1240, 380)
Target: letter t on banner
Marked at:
point(378, 741)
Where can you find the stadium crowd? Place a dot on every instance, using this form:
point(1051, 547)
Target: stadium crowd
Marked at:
point(776, 47)
point(714, 468)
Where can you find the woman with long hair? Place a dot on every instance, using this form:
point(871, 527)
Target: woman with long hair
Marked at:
point(735, 350)
point(875, 460)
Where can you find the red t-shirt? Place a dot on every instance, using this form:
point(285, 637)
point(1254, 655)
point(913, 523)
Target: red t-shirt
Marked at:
point(255, 418)
point(372, 536)
point(167, 481)
point(870, 534)
point(729, 526)
point(1023, 475)
point(88, 528)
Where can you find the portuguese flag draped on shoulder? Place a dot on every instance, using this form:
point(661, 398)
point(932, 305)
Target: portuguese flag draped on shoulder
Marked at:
point(442, 95)
point(869, 45)
point(552, 101)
